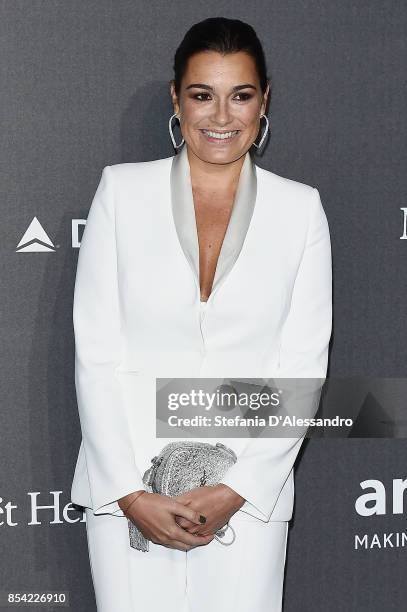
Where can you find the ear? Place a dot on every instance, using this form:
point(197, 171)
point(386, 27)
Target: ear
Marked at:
point(265, 98)
point(174, 97)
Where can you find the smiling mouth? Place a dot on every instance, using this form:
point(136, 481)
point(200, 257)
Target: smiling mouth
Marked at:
point(219, 136)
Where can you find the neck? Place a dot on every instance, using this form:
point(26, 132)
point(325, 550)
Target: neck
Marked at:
point(219, 176)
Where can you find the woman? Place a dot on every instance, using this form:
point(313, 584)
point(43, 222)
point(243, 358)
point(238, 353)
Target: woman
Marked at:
point(198, 265)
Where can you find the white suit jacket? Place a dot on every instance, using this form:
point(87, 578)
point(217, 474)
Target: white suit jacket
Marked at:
point(136, 316)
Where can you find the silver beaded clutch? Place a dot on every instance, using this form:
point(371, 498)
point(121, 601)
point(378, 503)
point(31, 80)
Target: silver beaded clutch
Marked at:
point(180, 467)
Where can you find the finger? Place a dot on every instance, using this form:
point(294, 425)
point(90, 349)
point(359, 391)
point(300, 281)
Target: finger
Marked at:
point(208, 536)
point(197, 541)
point(187, 538)
point(197, 531)
point(194, 529)
point(177, 508)
point(175, 544)
point(185, 523)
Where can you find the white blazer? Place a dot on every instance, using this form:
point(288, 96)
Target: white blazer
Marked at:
point(136, 316)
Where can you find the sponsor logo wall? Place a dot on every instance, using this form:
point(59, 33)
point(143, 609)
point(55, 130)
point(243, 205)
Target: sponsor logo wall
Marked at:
point(77, 96)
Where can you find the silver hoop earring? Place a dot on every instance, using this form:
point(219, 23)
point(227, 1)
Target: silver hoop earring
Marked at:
point(172, 135)
point(258, 146)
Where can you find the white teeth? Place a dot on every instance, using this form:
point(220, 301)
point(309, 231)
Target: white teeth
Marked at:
point(220, 136)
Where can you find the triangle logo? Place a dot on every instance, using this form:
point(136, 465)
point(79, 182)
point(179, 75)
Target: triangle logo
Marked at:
point(35, 240)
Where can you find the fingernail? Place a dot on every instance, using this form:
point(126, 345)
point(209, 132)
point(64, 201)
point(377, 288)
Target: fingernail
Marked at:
point(202, 518)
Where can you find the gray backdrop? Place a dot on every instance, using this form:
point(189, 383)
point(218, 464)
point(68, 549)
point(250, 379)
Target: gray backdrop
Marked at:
point(85, 84)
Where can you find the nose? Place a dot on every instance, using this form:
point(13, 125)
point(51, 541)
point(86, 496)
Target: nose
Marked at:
point(221, 114)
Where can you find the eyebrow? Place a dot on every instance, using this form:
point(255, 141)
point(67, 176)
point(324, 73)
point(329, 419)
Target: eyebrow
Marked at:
point(209, 88)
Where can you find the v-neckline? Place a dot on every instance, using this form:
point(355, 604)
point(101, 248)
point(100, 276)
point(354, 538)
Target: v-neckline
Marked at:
point(184, 217)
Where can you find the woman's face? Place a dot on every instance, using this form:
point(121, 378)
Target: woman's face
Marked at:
point(220, 95)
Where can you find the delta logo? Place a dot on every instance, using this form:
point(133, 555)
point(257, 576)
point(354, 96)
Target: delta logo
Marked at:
point(36, 239)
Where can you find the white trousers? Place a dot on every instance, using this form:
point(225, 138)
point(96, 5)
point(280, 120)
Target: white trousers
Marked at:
point(246, 576)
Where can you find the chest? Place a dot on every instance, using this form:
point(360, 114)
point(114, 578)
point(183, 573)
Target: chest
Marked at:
point(212, 216)
point(158, 283)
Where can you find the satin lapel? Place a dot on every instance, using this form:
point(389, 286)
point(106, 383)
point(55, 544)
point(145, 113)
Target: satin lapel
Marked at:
point(239, 221)
point(183, 210)
point(185, 222)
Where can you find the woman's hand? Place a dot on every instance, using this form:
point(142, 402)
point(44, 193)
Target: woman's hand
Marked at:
point(154, 515)
point(218, 503)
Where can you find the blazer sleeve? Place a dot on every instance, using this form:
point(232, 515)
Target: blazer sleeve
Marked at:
point(265, 464)
point(109, 454)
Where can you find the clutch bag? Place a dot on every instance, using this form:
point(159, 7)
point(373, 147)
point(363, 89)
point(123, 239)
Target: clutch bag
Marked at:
point(179, 467)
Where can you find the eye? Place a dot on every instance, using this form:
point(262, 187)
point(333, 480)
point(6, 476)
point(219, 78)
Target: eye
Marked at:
point(203, 96)
point(244, 96)
point(197, 96)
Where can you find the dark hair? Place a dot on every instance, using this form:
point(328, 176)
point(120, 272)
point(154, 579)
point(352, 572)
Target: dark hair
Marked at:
point(224, 36)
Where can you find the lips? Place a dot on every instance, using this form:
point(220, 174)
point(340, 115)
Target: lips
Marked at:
point(216, 136)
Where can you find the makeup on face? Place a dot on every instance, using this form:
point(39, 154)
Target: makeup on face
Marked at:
point(220, 104)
